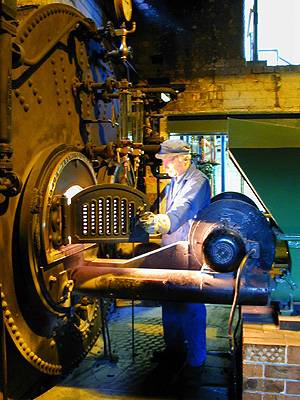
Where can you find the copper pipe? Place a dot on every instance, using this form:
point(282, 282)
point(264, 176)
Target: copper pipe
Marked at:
point(171, 285)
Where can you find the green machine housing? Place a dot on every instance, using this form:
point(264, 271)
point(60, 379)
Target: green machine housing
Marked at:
point(267, 155)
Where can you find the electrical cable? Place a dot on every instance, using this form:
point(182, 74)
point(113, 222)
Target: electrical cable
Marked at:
point(236, 295)
point(232, 335)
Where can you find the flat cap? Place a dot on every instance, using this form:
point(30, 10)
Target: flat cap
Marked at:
point(170, 148)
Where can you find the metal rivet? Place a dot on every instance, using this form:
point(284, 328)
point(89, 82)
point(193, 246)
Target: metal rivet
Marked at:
point(14, 329)
point(35, 91)
point(7, 313)
point(22, 100)
point(26, 107)
point(57, 91)
point(39, 99)
point(4, 304)
point(59, 102)
point(69, 111)
point(53, 61)
point(25, 33)
point(54, 71)
point(30, 82)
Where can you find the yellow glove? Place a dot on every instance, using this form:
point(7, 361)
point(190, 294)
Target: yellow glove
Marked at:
point(155, 223)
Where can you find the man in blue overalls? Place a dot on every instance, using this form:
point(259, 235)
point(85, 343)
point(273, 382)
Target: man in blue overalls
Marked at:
point(184, 324)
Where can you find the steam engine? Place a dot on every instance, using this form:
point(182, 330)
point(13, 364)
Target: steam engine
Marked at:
point(75, 139)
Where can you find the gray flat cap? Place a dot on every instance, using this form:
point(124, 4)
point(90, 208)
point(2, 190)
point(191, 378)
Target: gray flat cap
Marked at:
point(170, 148)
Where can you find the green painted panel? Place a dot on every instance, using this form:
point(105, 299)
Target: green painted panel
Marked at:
point(256, 134)
point(197, 126)
point(275, 175)
point(194, 126)
point(269, 156)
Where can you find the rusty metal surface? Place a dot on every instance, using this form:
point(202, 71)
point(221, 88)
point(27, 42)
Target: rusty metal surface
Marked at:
point(43, 337)
point(172, 285)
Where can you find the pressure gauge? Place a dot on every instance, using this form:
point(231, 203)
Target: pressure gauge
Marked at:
point(123, 9)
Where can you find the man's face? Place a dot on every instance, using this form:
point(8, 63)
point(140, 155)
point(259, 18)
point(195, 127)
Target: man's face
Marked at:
point(174, 166)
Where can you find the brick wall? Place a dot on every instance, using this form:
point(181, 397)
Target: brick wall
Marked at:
point(178, 39)
point(271, 363)
point(272, 90)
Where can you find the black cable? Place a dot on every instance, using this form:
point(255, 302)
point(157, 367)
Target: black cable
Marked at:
point(236, 296)
point(232, 335)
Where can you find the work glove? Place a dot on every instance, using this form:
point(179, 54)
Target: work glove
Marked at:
point(155, 223)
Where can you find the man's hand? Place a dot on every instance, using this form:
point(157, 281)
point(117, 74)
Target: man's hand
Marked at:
point(155, 223)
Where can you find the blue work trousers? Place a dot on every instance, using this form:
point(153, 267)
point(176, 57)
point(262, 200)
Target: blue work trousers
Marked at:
point(185, 330)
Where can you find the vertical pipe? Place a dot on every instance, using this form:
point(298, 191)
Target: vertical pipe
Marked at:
point(223, 162)
point(5, 88)
point(255, 25)
point(124, 111)
point(158, 194)
point(103, 322)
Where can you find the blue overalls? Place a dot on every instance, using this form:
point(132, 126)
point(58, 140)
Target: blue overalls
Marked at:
point(184, 324)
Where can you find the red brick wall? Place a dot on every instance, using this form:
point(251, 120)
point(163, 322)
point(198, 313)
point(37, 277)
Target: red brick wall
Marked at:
point(271, 363)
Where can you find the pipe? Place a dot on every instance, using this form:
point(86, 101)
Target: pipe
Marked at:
point(5, 89)
point(255, 37)
point(223, 162)
point(170, 285)
point(10, 184)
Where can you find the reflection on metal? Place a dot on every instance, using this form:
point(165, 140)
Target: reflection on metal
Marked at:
point(239, 216)
point(171, 285)
point(106, 213)
point(10, 183)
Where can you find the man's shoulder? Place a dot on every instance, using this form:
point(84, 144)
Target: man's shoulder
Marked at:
point(194, 173)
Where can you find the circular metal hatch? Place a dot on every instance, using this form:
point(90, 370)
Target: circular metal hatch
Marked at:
point(66, 325)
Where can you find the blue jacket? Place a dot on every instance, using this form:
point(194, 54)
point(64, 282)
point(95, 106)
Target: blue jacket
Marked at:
point(185, 203)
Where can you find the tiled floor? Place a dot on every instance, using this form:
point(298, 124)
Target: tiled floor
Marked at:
point(135, 378)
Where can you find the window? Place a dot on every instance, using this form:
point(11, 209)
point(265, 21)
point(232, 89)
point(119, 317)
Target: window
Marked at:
point(278, 31)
